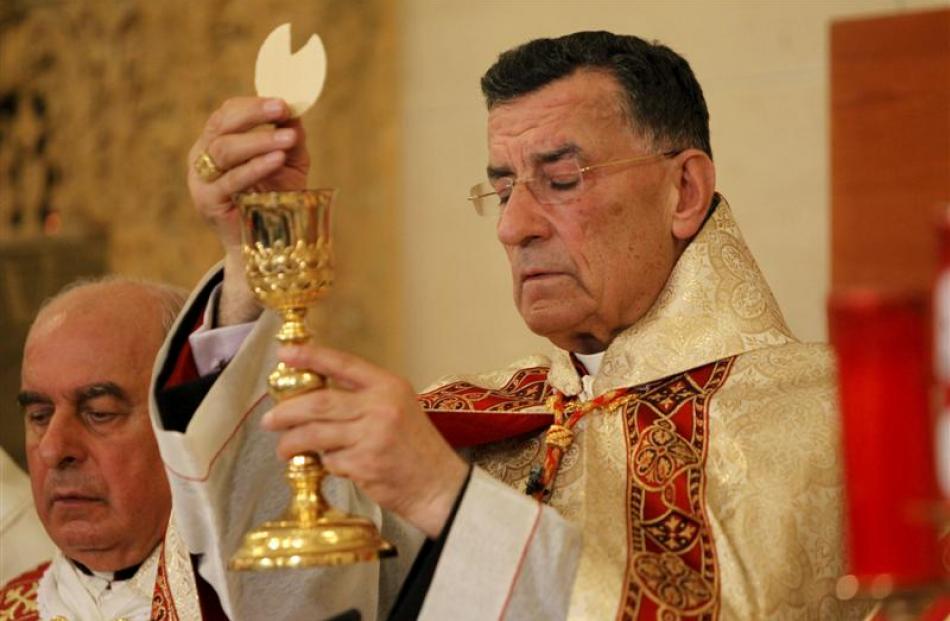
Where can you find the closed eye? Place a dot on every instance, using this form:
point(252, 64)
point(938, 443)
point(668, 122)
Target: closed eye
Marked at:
point(38, 416)
point(564, 182)
point(96, 417)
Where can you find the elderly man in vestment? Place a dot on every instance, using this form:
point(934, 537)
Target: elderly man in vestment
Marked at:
point(96, 474)
point(673, 456)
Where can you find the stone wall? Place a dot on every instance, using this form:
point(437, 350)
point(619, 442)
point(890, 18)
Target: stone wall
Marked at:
point(101, 99)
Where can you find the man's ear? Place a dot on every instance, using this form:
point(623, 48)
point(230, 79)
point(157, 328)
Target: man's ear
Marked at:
point(696, 185)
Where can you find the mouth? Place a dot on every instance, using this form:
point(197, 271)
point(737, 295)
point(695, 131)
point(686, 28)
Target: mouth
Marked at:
point(538, 276)
point(74, 499)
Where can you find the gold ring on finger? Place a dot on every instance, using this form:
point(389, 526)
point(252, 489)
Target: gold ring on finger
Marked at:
point(206, 168)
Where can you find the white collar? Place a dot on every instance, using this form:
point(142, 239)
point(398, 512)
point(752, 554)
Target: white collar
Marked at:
point(67, 592)
point(591, 362)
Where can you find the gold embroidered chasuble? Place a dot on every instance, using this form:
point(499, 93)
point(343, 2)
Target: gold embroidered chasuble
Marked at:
point(716, 492)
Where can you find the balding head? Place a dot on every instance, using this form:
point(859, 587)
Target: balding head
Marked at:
point(151, 302)
point(98, 480)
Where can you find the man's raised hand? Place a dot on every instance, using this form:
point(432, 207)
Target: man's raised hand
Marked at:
point(250, 157)
point(254, 145)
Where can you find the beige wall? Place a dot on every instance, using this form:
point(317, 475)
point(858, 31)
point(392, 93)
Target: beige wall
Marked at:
point(763, 66)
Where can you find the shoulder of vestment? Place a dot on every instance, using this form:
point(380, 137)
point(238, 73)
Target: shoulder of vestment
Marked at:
point(519, 387)
point(793, 368)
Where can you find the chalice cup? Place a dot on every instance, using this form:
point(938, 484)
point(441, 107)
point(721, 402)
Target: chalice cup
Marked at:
point(289, 265)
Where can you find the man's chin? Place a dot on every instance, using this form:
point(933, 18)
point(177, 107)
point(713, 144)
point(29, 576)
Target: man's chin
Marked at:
point(105, 549)
point(553, 322)
point(79, 534)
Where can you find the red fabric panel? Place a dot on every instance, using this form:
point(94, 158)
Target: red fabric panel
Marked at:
point(185, 369)
point(461, 429)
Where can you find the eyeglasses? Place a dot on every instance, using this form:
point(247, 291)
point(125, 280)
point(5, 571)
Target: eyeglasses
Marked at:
point(555, 183)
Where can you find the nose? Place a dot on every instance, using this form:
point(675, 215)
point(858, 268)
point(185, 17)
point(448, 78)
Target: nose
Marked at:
point(61, 442)
point(522, 219)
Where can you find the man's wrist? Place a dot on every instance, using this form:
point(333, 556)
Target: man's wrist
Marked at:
point(434, 513)
point(237, 303)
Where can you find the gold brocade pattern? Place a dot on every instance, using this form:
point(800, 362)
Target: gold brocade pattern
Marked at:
point(773, 475)
point(175, 594)
point(179, 575)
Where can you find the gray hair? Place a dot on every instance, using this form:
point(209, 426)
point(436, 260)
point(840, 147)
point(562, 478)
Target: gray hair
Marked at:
point(170, 298)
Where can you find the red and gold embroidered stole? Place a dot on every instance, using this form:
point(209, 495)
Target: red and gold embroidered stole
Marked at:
point(163, 603)
point(671, 558)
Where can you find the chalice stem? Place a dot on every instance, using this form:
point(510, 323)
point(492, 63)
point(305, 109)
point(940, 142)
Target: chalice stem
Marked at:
point(305, 476)
point(293, 330)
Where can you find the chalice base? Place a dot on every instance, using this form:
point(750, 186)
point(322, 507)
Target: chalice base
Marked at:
point(332, 539)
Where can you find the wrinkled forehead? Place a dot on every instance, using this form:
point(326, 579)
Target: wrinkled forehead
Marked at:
point(583, 112)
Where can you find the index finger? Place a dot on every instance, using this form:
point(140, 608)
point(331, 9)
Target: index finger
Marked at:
point(345, 369)
point(240, 114)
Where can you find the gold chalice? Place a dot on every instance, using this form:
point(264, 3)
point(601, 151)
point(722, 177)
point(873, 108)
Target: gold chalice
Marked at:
point(289, 262)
